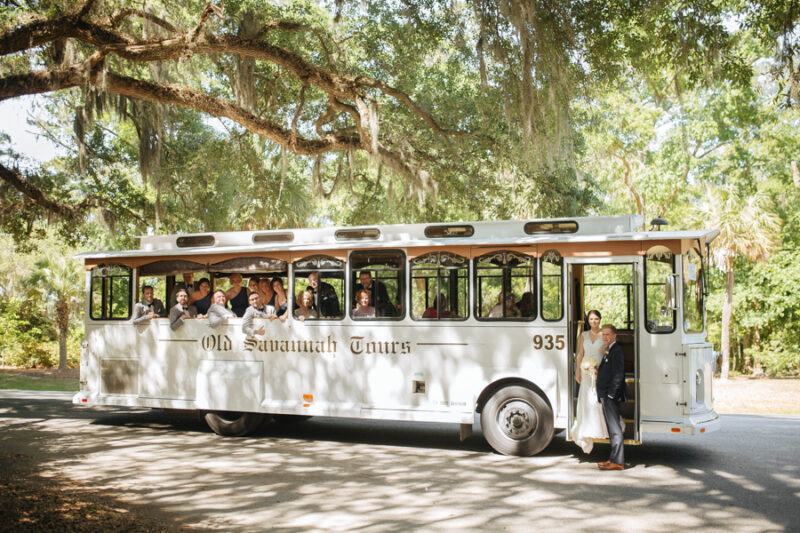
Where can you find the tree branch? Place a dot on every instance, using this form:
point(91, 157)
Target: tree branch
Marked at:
point(38, 197)
point(300, 104)
point(85, 9)
point(81, 74)
point(125, 13)
point(209, 10)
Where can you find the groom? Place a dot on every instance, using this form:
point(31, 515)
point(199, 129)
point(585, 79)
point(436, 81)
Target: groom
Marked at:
point(610, 392)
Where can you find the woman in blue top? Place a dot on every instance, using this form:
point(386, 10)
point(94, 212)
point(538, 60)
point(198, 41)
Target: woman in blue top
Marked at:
point(237, 295)
point(201, 298)
point(278, 300)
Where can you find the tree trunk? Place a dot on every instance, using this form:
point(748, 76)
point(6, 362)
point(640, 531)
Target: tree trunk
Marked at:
point(62, 320)
point(757, 370)
point(727, 312)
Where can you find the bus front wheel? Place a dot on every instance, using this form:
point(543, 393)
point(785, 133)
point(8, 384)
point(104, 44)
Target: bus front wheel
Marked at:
point(233, 424)
point(517, 421)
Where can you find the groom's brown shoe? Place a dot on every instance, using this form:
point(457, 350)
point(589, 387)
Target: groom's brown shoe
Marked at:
point(611, 466)
point(601, 464)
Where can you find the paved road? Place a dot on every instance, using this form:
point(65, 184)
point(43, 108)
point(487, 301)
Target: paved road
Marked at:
point(345, 475)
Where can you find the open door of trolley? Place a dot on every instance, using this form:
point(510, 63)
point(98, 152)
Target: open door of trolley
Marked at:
point(610, 286)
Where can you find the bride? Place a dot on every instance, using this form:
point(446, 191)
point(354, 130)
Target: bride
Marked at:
point(589, 422)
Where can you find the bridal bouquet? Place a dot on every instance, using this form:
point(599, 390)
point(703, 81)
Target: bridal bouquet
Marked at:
point(589, 364)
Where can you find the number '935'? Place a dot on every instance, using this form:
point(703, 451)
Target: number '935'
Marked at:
point(548, 342)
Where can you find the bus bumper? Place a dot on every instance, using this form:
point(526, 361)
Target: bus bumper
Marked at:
point(693, 425)
point(82, 398)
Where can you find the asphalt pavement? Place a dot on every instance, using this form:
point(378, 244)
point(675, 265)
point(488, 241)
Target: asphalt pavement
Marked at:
point(330, 474)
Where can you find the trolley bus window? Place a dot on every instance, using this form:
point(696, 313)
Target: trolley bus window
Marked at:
point(609, 289)
point(659, 267)
point(439, 282)
point(384, 272)
point(502, 281)
point(111, 293)
point(692, 292)
point(552, 287)
point(327, 274)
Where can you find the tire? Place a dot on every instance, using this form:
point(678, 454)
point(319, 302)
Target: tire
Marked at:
point(290, 419)
point(517, 421)
point(232, 423)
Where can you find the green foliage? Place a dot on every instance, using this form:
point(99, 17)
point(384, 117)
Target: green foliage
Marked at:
point(686, 111)
point(768, 302)
point(34, 279)
point(29, 339)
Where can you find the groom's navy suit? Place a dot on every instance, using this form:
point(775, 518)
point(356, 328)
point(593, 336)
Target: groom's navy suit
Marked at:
point(610, 391)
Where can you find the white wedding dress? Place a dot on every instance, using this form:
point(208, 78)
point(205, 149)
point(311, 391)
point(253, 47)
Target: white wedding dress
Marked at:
point(589, 421)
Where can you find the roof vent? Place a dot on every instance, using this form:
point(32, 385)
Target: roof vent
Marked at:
point(357, 234)
point(433, 232)
point(195, 241)
point(286, 236)
point(558, 226)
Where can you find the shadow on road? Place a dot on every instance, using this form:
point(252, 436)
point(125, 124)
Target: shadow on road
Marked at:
point(346, 474)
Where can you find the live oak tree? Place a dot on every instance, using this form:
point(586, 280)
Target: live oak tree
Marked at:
point(388, 101)
point(282, 80)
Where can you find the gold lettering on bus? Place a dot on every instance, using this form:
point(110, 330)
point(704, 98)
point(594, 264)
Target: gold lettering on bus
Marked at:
point(358, 345)
point(222, 343)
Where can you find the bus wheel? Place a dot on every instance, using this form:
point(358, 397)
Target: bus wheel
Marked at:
point(517, 421)
point(232, 423)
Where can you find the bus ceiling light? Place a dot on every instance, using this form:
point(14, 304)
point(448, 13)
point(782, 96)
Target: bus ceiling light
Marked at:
point(656, 223)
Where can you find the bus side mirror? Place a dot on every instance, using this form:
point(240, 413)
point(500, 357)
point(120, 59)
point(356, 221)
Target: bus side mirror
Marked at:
point(670, 290)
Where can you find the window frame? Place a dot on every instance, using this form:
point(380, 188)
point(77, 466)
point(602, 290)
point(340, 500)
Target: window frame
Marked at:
point(561, 290)
point(467, 279)
point(105, 281)
point(403, 292)
point(701, 282)
point(674, 311)
point(344, 282)
point(475, 287)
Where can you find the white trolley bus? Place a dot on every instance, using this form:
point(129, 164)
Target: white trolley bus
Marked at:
point(476, 317)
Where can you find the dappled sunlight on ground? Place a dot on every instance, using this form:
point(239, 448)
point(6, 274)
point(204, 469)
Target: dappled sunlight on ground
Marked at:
point(344, 475)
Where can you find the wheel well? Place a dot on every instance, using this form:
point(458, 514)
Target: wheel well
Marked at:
point(491, 388)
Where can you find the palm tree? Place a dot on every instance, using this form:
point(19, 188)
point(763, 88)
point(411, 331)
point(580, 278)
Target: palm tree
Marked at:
point(58, 279)
point(747, 228)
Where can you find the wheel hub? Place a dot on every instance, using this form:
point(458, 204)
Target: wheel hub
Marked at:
point(517, 419)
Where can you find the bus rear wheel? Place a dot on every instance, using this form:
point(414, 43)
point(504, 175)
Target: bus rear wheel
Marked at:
point(232, 423)
point(517, 421)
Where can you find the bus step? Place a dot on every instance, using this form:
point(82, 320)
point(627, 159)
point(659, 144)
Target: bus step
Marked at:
point(626, 441)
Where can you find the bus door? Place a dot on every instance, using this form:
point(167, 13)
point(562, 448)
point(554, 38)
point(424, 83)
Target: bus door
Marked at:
point(610, 286)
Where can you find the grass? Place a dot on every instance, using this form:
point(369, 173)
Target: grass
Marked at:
point(44, 380)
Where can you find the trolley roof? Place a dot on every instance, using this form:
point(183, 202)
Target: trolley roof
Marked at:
point(507, 233)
